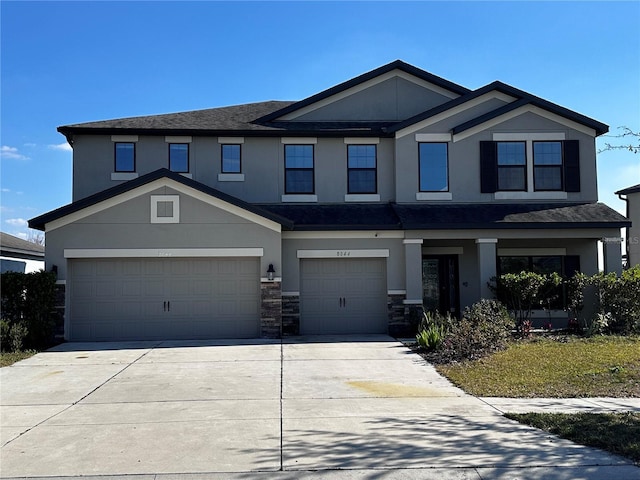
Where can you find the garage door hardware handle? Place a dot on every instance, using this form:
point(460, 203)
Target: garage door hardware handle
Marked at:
point(164, 306)
point(343, 302)
point(168, 306)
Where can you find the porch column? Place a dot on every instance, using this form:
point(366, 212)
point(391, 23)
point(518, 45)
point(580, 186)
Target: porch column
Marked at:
point(612, 253)
point(486, 264)
point(413, 270)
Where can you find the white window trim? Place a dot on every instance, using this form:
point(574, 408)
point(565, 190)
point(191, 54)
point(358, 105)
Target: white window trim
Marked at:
point(434, 196)
point(231, 177)
point(177, 139)
point(361, 141)
point(123, 175)
point(433, 137)
point(298, 140)
point(174, 199)
point(230, 140)
point(362, 197)
point(124, 138)
point(299, 198)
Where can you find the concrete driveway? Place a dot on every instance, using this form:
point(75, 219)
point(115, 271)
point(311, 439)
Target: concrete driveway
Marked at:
point(316, 407)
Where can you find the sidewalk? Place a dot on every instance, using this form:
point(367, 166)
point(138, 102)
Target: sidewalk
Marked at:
point(563, 405)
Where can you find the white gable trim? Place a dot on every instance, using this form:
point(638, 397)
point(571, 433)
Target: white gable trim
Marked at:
point(454, 111)
point(155, 185)
point(363, 86)
point(520, 111)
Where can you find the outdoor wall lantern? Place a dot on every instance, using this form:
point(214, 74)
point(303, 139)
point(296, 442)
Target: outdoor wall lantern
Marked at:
point(270, 272)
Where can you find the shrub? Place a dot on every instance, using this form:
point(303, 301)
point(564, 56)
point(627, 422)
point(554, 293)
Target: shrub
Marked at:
point(524, 291)
point(618, 301)
point(28, 301)
point(485, 327)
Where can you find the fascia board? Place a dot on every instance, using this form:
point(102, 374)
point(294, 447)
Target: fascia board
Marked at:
point(363, 86)
point(490, 123)
point(155, 185)
point(474, 102)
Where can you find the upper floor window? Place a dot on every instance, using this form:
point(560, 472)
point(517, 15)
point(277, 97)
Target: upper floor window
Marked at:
point(298, 169)
point(231, 158)
point(512, 166)
point(125, 157)
point(433, 167)
point(361, 169)
point(179, 157)
point(547, 165)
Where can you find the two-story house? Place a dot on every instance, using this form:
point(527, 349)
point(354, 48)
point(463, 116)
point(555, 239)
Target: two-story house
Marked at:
point(336, 214)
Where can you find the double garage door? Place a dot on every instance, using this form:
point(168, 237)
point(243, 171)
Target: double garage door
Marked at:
point(164, 298)
point(343, 296)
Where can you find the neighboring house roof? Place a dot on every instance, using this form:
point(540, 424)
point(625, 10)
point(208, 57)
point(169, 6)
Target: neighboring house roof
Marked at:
point(455, 216)
point(40, 222)
point(628, 190)
point(15, 247)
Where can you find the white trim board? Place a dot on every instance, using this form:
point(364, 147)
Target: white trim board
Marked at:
point(454, 111)
point(521, 111)
point(153, 186)
point(344, 253)
point(161, 252)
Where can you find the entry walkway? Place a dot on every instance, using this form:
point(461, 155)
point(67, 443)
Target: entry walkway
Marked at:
point(360, 408)
point(563, 405)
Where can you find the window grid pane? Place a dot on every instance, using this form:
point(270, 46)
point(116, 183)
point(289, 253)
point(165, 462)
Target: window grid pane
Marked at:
point(512, 178)
point(231, 159)
point(298, 172)
point(179, 157)
point(125, 157)
point(361, 169)
point(434, 167)
point(547, 153)
point(548, 178)
point(512, 153)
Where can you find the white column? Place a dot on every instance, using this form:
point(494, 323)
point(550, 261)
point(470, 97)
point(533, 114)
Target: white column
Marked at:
point(413, 270)
point(612, 253)
point(486, 264)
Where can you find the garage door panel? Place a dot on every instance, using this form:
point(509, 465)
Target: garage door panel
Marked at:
point(343, 296)
point(206, 295)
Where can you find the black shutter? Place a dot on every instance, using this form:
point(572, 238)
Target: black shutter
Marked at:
point(488, 167)
point(571, 166)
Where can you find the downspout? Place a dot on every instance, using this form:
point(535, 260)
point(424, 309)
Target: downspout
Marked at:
point(627, 229)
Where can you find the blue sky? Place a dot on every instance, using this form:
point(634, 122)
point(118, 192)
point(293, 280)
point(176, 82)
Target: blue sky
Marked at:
point(71, 62)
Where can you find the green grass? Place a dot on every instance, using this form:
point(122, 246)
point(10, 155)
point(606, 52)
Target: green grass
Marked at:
point(617, 433)
point(9, 358)
point(545, 367)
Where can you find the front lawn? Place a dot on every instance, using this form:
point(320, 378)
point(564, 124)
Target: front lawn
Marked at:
point(555, 367)
point(9, 358)
point(617, 433)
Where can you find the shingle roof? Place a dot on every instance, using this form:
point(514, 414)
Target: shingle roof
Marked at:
point(14, 246)
point(508, 216)
point(448, 217)
point(628, 190)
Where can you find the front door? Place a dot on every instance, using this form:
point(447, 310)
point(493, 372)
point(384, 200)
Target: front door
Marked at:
point(440, 284)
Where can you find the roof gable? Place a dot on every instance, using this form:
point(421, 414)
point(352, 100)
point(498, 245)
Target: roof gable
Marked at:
point(397, 69)
point(149, 183)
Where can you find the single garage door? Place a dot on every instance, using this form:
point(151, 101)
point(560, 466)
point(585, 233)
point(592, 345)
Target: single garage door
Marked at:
point(343, 296)
point(164, 298)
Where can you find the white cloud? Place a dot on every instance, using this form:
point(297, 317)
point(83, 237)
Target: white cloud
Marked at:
point(30, 145)
point(64, 147)
point(6, 190)
point(17, 222)
point(11, 153)
point(21, 235)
